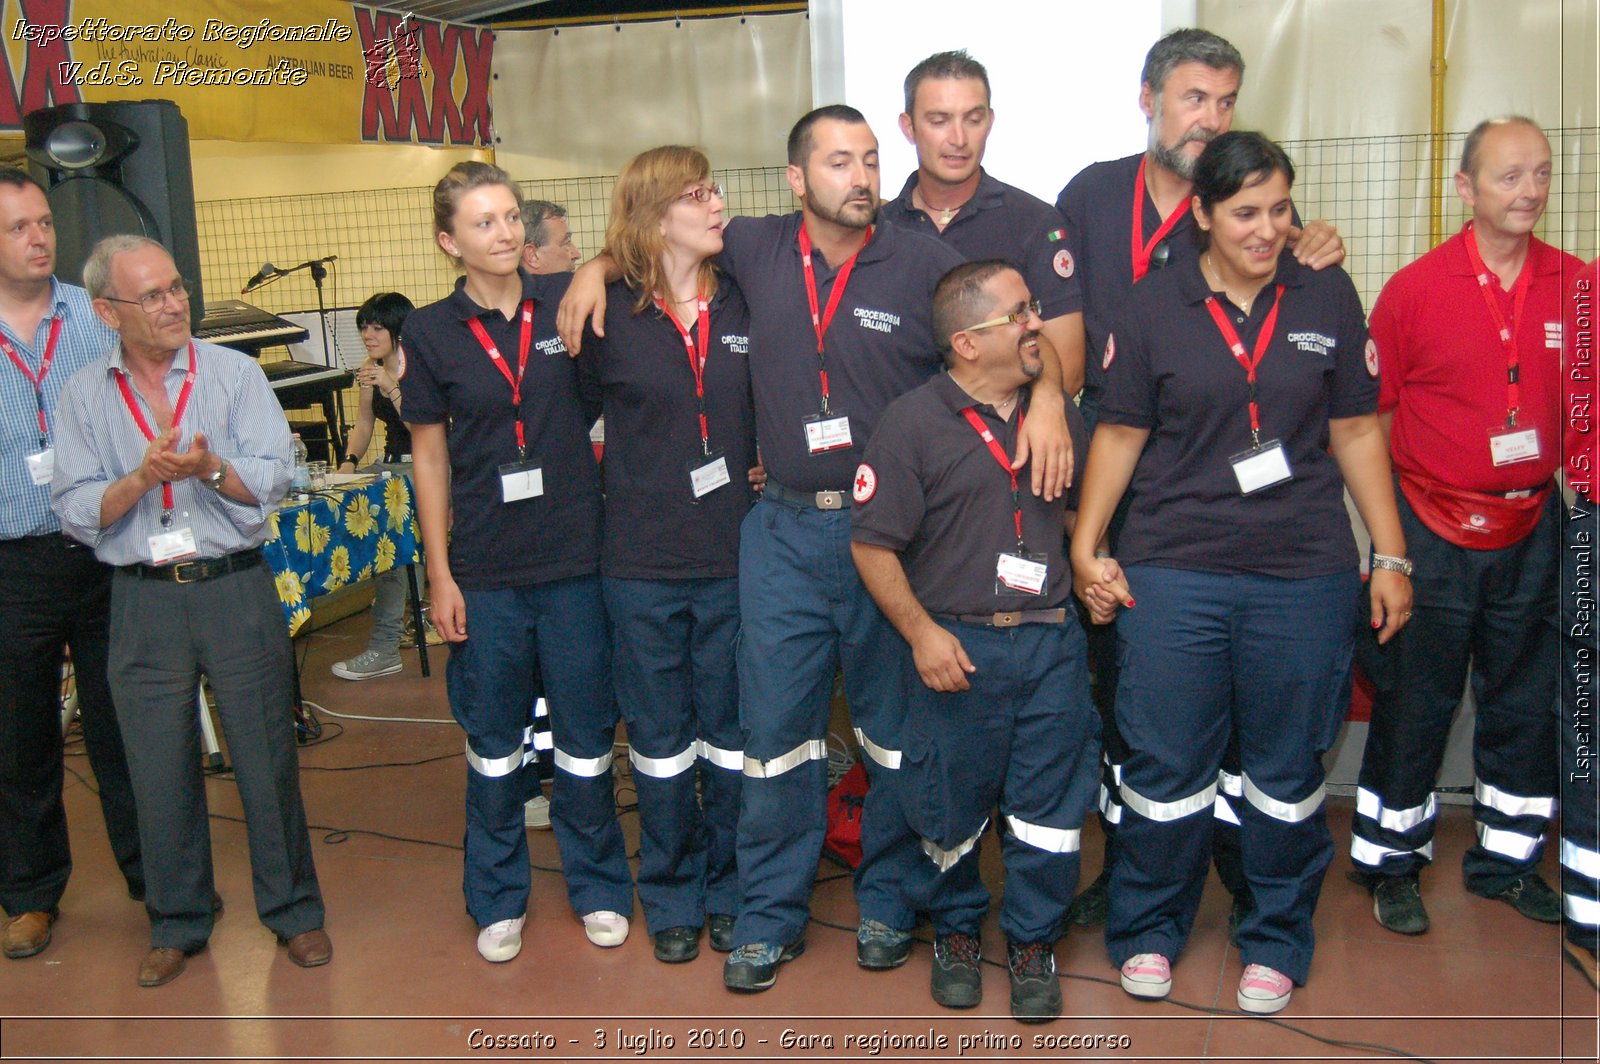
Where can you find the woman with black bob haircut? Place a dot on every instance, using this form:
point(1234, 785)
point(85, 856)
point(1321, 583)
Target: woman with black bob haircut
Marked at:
point(509, 504)
point(1241, 400)
point(380, 320)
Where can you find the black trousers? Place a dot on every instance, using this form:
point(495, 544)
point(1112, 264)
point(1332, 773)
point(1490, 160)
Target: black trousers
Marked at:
point(165, 635)
point(54, 595)
point(1580, 648)
point(1490, 608)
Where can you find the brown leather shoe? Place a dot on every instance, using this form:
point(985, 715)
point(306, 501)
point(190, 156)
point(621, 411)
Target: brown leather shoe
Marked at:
point(310, 949)
point(162, 965)
point(28, 934)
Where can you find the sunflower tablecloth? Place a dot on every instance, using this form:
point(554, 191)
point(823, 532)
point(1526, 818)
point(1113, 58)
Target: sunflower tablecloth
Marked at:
point(338, 537)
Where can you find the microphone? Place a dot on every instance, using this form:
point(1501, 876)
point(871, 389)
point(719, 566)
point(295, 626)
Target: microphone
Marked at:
point(266, 273)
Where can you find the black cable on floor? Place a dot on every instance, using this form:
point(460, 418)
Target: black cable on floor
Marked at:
point(1211, 1010)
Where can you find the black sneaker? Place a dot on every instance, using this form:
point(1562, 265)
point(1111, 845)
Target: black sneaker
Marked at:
point(1397, 904)
point(957, 979)
point(676, 945)
point(1244, 903)
point(880, 947)
point(1035, 989)
point(1089, 908)
point(1531, 896)
point(719, 928)
point(755, 967)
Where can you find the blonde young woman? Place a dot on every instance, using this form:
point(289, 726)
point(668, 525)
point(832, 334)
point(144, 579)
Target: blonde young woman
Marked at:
point(514, 580)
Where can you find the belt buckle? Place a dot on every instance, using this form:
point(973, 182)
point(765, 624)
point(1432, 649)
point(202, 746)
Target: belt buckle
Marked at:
point(830, 500)
point(177, 573)
point(1010, 619)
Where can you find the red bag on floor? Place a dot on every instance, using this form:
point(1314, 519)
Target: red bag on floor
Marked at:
point(845, 802)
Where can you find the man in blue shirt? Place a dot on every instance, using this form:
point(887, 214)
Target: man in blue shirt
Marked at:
point(952, 197)
point(53, 592)
point(172, 456)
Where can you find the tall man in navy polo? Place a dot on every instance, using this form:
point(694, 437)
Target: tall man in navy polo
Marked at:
point(951, 196)
point(839, 326)
point(54, 594)
point(1469, 340)
point(1124, 218)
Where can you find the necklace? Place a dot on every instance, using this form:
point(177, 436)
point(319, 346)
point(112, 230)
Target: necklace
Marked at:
point(945, 213)
point(1242, 304)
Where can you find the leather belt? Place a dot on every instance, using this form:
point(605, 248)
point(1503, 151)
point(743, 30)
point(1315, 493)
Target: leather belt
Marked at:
point(201, 569)
point(1012, 618)
point(815, 500)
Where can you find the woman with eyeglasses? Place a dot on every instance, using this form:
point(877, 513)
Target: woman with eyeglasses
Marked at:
point(380, 320)
point(1241, 400)
point(515, 581)
point(680, 438)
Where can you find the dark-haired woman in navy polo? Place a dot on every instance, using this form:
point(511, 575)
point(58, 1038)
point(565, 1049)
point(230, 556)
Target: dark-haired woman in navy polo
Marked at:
point(1240, 402)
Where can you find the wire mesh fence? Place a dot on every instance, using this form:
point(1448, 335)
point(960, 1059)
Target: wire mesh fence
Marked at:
point(1375, 189)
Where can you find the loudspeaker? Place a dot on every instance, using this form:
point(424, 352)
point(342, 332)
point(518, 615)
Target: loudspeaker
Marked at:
point(117, 167)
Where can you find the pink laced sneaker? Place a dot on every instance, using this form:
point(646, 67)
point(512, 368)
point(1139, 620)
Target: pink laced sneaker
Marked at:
point(1264, 990)
point(1147, 975)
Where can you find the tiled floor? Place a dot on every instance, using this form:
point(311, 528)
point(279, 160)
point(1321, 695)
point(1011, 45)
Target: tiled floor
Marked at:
point(385, 800)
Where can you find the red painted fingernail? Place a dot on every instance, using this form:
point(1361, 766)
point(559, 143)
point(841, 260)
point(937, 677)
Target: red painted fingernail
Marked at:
point(1130, 604)
point(1377, 624)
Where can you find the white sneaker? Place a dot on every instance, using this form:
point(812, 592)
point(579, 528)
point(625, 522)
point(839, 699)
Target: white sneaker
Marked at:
point(606, 928)
point(501, 941)
point(536, 814)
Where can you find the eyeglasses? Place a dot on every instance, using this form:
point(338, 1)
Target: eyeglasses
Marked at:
point(703, 193)
point(152, 302)
point(1020, 317)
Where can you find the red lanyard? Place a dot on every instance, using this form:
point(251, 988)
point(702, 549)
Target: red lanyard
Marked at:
point(1251, 361)
point(821, 322)
point(1508, 332)
point(44, 368)
point(697, 361)
point(1000, 456)
point(177, 419)
point(1142, 250)
point(476, 325)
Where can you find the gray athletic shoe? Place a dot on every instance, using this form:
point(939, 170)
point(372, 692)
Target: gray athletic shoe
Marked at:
point(368, 665)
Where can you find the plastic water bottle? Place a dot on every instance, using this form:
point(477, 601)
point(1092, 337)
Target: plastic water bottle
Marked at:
point(302, 471)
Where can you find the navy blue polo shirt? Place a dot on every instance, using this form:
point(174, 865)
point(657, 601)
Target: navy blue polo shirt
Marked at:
point(1003, 222)
point(1097, 206)
point(655, 529)
point(448, 378)
point(931, 489)
point(879, 346)
point(1172, 373)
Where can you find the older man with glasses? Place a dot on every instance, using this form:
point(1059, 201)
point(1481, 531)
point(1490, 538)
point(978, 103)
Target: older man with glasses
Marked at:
point(172, 455)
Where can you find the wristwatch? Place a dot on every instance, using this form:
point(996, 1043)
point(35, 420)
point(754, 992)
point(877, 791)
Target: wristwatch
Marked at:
point(214, 481)
point(1402, 566)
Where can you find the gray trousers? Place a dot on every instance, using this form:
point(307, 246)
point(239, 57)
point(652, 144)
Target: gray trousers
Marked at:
point(164, 636)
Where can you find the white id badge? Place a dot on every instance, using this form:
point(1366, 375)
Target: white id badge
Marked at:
point(708, 474)
point(827, 432)
point(173, 546)
point(521, 480)
point(1021, 572)
point(1509, 446)
point(1261, 467)
point(42, 466)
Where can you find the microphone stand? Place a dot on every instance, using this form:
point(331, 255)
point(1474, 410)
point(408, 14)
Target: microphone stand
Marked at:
point(332, 410)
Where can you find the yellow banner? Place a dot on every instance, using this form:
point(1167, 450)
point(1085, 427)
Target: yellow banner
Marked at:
point(310, 71)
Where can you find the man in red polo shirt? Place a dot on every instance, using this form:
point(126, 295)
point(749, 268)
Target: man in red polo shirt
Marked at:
point(1468, 338)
